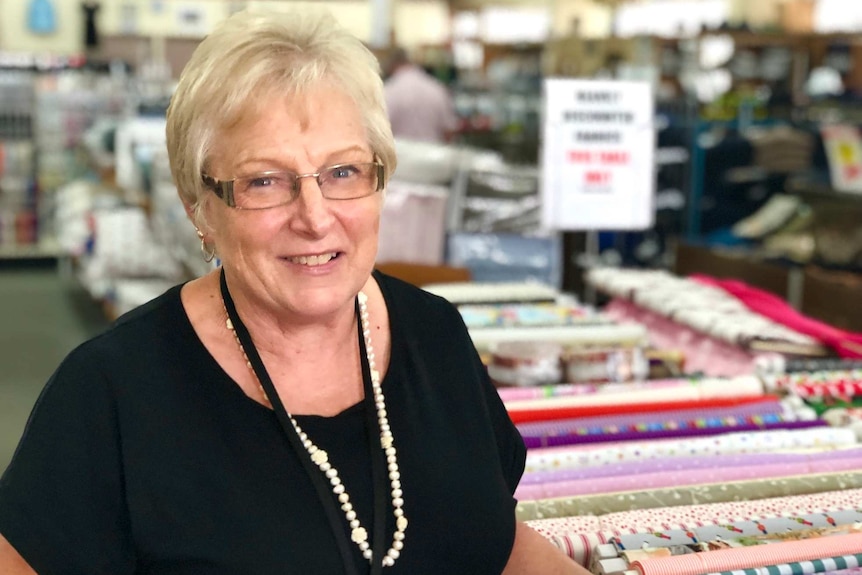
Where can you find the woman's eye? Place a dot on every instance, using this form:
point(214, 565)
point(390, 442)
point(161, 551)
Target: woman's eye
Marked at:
point(343, 172)
point(261, 182)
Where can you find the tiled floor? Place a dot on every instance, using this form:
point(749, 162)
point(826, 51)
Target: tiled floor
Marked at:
point(42, 317)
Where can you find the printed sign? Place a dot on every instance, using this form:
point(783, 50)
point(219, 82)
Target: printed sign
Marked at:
point(844, 156)
point(598, 155)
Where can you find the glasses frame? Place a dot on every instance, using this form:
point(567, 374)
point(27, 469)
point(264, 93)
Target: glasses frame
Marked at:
point(224, 188)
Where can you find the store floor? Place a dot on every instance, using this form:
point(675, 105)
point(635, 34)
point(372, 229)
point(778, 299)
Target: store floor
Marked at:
point(42, 318)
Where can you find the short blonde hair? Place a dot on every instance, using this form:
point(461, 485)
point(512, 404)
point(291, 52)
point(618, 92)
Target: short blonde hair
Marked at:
point(248, 58)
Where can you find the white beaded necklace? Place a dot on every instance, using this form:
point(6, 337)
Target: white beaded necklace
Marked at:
point(358, 534)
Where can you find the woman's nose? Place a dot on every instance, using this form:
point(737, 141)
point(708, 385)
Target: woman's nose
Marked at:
point(312, 211)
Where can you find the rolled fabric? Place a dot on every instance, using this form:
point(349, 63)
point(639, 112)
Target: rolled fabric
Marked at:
point(789, 381)
point(721, 419)
point(843, 563)
point(537, 442)
point(545, 413)
point(748, 557)
point(706, 389)
point(692, 495)
point(580, 547)
point(663, 479)
point(510, 394)
point(684, 464)
point(672, 525)
point(621, 420)
point(592, 455)
point(727, 512)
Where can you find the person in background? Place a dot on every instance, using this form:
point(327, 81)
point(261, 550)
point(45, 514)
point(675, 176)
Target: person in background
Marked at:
point(420, 107)
point(293, 411)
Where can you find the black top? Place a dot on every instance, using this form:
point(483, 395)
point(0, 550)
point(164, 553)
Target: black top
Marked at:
point(143, 456)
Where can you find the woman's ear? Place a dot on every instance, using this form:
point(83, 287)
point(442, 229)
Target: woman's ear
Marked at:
point(190, 212)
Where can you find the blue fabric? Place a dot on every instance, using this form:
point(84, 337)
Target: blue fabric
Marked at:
point(41, 18)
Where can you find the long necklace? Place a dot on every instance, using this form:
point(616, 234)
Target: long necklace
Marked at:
point(358, 534)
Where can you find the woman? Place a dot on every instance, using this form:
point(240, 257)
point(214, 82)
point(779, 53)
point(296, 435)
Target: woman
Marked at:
point(290, 412)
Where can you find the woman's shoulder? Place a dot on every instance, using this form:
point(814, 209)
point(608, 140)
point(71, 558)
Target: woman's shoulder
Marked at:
point(139, 327)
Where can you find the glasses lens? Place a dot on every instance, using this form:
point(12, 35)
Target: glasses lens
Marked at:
point(348, 181)
point(263, 190)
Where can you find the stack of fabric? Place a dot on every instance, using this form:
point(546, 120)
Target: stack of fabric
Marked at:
point(659, 462)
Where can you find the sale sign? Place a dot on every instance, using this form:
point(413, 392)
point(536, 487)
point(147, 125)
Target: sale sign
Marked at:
point(844, 155)
point(598, 155)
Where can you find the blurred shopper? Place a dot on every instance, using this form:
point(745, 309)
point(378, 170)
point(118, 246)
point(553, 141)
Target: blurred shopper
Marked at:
point(420, 106)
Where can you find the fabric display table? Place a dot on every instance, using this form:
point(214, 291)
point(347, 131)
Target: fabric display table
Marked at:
point(643, 468)
point(683, 475)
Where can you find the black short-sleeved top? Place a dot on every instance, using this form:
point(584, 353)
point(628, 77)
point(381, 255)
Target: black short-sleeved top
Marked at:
point(143, 456)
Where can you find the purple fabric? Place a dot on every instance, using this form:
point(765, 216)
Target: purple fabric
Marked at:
point(540, 428)
point(683, 463)
point(533, 442)
point(675, 478)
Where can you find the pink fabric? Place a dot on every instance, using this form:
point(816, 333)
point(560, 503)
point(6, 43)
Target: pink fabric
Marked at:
point(675, 478)
point(846, 343)
point(703, 353)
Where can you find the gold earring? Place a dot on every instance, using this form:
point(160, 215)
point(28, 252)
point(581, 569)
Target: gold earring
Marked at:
point(209, 254)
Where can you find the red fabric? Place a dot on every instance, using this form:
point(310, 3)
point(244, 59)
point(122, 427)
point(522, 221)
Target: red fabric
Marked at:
point(555, 413)
point(845, 343)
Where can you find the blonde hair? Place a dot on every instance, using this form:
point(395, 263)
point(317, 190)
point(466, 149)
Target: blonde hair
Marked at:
point(248, 58)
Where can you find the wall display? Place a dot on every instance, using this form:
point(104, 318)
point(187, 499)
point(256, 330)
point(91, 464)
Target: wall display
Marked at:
point(598, 159)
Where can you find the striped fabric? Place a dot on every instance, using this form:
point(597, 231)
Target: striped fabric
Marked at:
point(824, 565)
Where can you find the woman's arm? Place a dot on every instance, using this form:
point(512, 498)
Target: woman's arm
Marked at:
point(11, 563)
point(532, 554)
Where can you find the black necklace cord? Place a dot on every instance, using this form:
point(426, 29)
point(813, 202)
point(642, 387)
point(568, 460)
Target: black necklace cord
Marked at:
point(322, 487)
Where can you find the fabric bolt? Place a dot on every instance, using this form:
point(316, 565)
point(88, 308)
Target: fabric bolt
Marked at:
point(845, 343)
point(593, 455)
point(578, 535)
point(543, 411)
point(703, 353)
point(704, 390)
point(829, 389)
point(580, 547)
point(832, 364)
point(691, 495)
point(700, 421)
point(747, 557)
point(635, 420)
point(661, 479)
point(789, 381)
point(732, 528)
point(820, 384)
point(682, 465)
point(509, 394)
point(537, 442)
point(686, 516)
point(820, 565)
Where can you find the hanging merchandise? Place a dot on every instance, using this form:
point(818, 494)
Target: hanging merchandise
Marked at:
point(41, 18)
point(91, 32)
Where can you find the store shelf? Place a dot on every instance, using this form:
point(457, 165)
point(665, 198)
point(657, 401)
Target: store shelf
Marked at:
point(47, 249)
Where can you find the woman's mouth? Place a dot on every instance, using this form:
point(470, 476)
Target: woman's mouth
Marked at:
point(315, 260)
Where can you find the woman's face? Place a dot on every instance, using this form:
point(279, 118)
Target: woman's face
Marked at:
point(282, 257)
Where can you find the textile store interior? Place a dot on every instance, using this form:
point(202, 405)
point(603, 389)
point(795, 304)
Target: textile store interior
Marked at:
point(686, 375)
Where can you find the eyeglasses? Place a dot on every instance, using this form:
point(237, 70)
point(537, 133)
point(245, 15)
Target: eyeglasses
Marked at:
point(271, 189)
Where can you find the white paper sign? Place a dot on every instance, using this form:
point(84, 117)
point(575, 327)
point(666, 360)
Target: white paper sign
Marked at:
point(843, 145)
point(598, 155)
